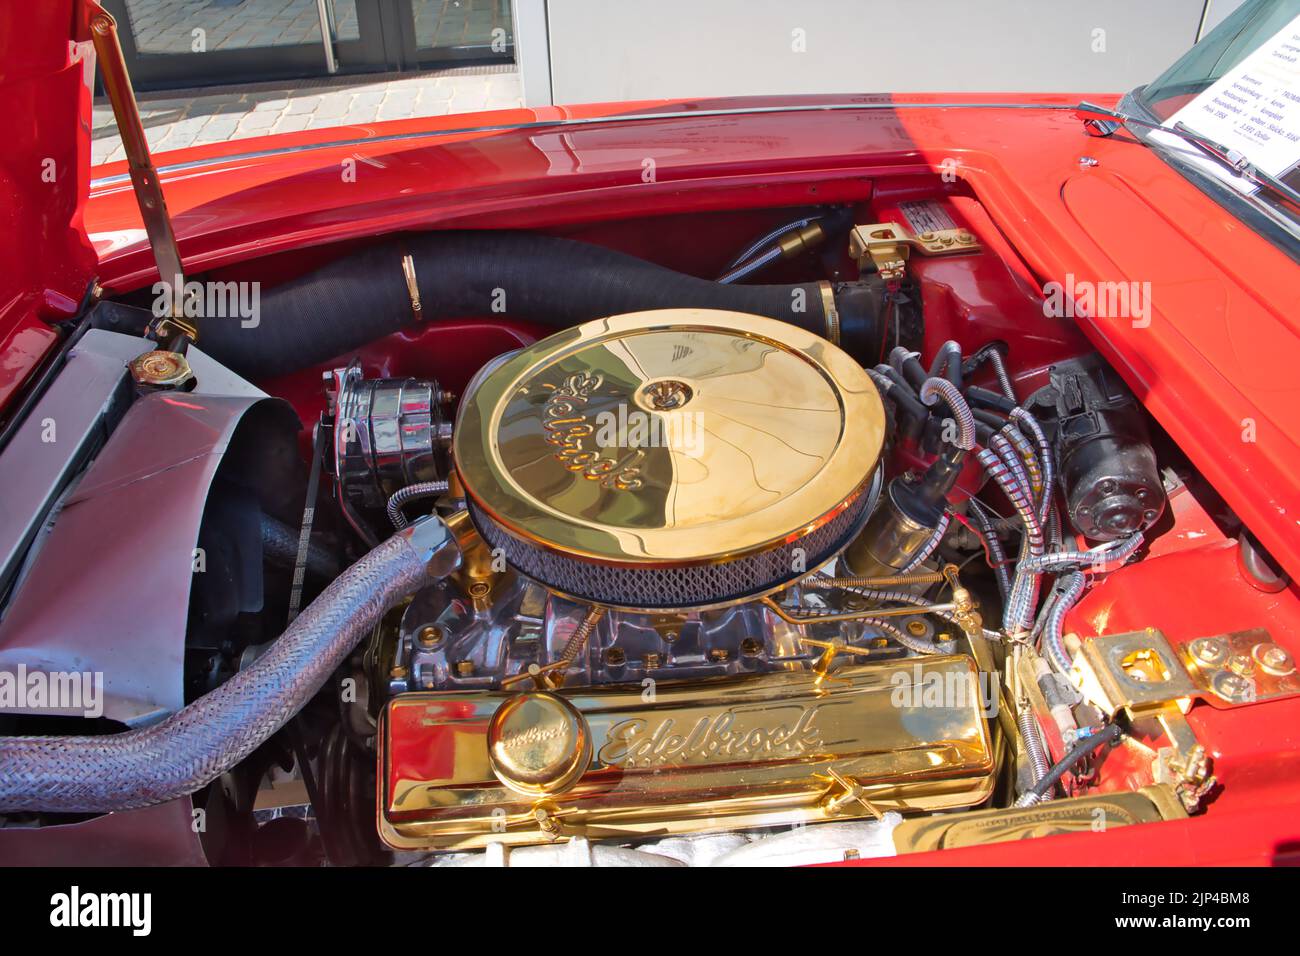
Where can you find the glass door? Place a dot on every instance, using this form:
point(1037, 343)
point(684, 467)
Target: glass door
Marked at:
point(171, 44)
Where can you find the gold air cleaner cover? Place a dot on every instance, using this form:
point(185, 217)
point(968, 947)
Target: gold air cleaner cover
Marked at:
point(670, 459)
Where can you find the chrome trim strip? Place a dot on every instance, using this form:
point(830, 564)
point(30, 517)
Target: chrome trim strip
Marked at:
point(581, 121)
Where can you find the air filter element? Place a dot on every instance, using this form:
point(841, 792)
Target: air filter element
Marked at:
point(673, 459)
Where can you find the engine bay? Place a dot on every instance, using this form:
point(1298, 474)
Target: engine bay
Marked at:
point(789, 532)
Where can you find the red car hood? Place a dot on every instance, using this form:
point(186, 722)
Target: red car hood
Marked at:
point(1215, 365)
point(45, 84)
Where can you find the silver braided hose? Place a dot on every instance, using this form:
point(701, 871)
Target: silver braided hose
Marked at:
point(1046, 457)
point(1029, 461)
point(1024, 589)
point(421, 489)
point(934, 389)
point(1071, 589)
point(1103, 558)
point(195, 745)
point(928, 548)
point(994, 358)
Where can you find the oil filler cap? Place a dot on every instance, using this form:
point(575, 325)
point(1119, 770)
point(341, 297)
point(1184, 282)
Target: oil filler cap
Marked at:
point(538, 743)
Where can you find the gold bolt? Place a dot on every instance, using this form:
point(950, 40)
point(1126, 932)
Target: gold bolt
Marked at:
point(718, 654)
point(479, 589)
point(916, 628)
point(615, 657)
point(399, 672)
point(1241, 665)
point(651, 661)
point(430, 635)
point(1274, 659)
point(465, 668)
point(751, 647)
point(1208, 650)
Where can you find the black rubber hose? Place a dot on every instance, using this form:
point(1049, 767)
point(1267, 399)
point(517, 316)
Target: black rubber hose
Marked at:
point(984, 398)
point(1109, 735)
point(543, 279)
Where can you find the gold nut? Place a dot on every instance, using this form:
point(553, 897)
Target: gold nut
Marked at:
point(160, 369)
point(1241, 665)
point(615, 657)
point(429, 636)
point(916, 628)
point(965, 237)
point(479, 589)
point(465, 668)
point(651, 661)
point(751, 647)
point(399, 672)
point(719, 654)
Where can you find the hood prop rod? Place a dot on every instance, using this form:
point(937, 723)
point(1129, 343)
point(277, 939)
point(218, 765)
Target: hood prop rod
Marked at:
point(172, 330)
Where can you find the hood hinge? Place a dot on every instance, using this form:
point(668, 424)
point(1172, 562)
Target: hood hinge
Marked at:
point(173, 331)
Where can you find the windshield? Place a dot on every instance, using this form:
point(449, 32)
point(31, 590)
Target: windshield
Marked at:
point(1238, 90)
point(1222, 50)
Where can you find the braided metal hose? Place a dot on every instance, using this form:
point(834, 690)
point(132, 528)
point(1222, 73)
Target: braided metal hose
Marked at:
point(1104, 558)
point(889, 580)
point(931, 543)
point(421, 489)
point(934, 389)
point(997, 469)
point(1071, 589)
point(994, 358)
point(1020, 474)
point(198, 743)
point(1046, 456)
point(1028, 460)
point(1024, 589)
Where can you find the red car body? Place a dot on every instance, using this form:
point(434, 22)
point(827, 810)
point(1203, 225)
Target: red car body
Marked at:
point(1216, 365)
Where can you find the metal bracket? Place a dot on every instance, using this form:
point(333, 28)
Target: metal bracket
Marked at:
point(888, 245)
point(1242, 667)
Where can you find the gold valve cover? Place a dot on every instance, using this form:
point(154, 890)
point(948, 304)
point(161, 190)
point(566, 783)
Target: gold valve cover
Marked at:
point(669, 439)
point(465, 768)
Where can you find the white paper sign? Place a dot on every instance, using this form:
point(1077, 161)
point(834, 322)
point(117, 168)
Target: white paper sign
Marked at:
point(1254, 108)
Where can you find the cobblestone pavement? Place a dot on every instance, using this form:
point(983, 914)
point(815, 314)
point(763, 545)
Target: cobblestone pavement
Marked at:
point(176, 26)
point(174, 121)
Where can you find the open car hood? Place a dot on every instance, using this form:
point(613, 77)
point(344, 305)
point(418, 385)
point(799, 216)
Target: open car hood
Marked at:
point(46, 82)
